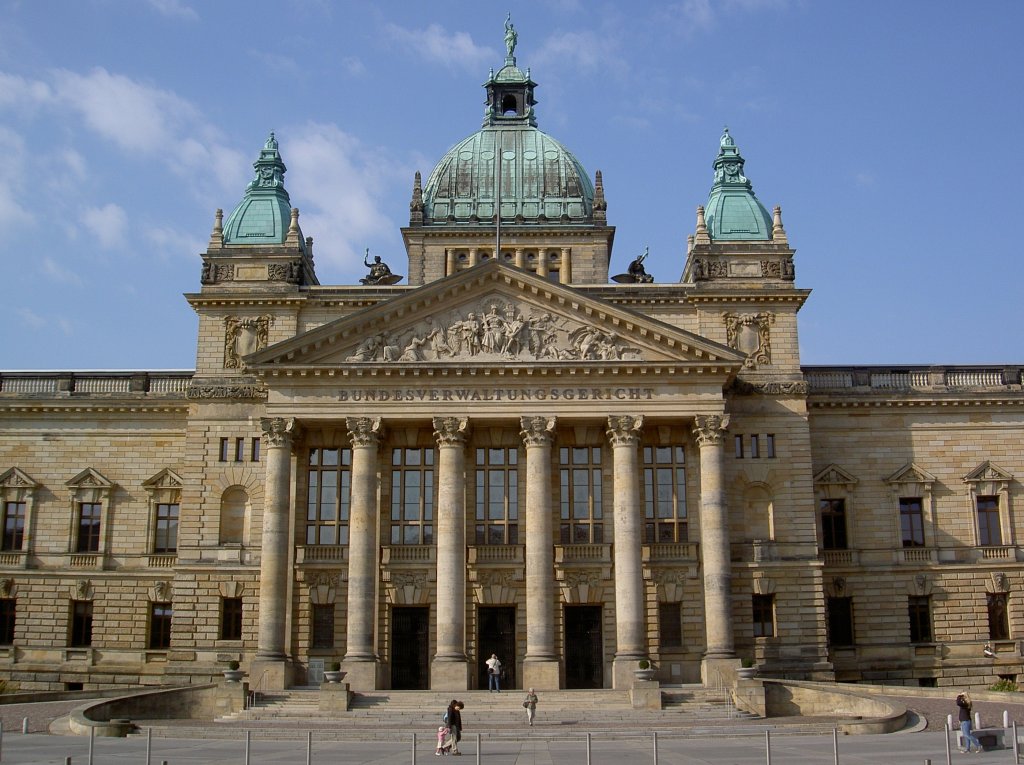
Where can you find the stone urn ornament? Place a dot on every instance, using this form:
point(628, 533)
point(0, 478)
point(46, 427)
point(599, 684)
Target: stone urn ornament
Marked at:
point(233, 674)
point(644, 670)
point(746, 670)
point(334, 674)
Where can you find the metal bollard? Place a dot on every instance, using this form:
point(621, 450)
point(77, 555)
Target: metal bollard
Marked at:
point(248, 746)
point(477, 749)
point(92, 738)
point(655, 734)
point(24, 725)
point(835, 745)
point(413, 749)
point(949, 755)
point(1016, 745)
point(1006, 718)
point(149, 745)
point(67, 761)
point(309, 747)
point(588, 749)
point(949, 722)
point(977, 720)
point(768, 747)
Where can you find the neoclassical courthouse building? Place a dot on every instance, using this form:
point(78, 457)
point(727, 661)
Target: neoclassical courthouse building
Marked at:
point(509, 449)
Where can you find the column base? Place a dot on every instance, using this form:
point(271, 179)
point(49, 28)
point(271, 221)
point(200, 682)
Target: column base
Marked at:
point(361, 674)
point(541, 674)
point(624, 671)
point(270, 674)
point(449, 675)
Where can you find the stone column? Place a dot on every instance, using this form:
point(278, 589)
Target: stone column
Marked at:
point(540, 665)
point(450, 668)
point(542, 263)
point(449, 262)
point(520, 258)
point(565, 274)
point(474, 256)
point(630, 625)
point(360, 661)
point(714, 541)
point(271, 658)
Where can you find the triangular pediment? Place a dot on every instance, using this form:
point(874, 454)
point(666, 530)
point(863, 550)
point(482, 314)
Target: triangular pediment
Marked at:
point(911, 473)
point(494, 314)
point(987, 471)
point(833, 475)
point(165, 479)
point(16, 478)
point(89, 479)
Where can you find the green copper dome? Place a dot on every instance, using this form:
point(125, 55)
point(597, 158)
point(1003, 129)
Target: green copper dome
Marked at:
point(541, 181)
point(733, 213)
point(264, 214)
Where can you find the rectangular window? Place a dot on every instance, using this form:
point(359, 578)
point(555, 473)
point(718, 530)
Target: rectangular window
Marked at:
point(833, 523)
point(769, 445)
point(8, 613)
point(840, 622)
point(755, 448)
point(224, 446)
point(497, 496)
point(412, 496)
point(989, 531)
point(580, 504)
point(230, 618)
point(738, 441)
point(329, 496)
point(763, 615)
point(160, 625)
point(322, 619)
point(166, 538)
point(670, 625)
point(911, 522)
point(239, 449)
point(14, 526)
point(664, 495)
point(81, 623)
point(998, 617)
point(88, 527)
point(255, 454)
point(919, 611)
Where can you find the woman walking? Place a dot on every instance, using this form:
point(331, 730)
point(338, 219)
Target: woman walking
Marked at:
point(963, 701)
point(530, 705)
point(454, 716)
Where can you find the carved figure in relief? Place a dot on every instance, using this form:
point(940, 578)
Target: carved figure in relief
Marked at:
point(412, 350)
point(514, 325)
point(493, 329)
point(437, 339)
point(471, 334)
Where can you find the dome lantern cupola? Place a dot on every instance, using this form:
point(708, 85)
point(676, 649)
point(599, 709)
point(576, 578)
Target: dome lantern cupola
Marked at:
point(733, 213)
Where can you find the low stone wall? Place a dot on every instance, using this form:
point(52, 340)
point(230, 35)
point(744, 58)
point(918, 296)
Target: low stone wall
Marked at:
point(858, 713)
point(203, 702)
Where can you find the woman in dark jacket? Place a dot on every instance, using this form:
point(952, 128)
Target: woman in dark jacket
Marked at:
point(455, 723)
point(963, 701)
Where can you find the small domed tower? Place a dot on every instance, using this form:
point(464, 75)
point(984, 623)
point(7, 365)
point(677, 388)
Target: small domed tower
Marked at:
point(552, 218)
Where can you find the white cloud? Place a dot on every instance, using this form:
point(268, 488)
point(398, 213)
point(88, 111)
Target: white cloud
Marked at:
point(170, 243)
point(581, 50)
point(11, 210)
point(16, 91)
point(108, 224)
point(56, 272)
point(174, 9)
point(343, 185)
point(435, 43)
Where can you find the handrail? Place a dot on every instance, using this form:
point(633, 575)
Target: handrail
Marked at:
point(720, 686)
point(254, 693)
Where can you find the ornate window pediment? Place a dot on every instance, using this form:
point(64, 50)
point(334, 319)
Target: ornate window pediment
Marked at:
point(92, 481)
point(16, 480)
point(834, 476)
point(911, 474)
point(988, 478)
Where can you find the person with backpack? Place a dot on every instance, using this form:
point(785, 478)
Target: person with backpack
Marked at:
point(453, 719)
point(494, 673)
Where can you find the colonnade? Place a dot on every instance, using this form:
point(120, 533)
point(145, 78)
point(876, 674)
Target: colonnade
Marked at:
point(450, 665)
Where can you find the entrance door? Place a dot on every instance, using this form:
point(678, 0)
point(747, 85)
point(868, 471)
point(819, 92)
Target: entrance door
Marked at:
point(584, 664)
point(496, 633)
point(410, 643)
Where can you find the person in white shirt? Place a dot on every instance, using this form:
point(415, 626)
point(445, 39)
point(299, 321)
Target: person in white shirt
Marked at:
point(494, 674)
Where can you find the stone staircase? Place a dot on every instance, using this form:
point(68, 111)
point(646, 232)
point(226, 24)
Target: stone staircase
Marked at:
point(395, 715)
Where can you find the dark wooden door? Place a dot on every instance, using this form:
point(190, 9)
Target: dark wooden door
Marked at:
point(584, 647)
point(410, 644)
point(496, 633)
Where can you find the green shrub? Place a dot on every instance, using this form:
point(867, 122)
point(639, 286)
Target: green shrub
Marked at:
point(746, 661)
point(334, 666)
point(233, 665)
point(1004, 685)
point(644, 664)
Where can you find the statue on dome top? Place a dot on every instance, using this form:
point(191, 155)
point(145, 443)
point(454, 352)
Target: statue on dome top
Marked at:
point(511, 36)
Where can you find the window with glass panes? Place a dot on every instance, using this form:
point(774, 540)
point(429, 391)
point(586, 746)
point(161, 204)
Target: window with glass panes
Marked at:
point(88, 527)
point(989, 532)
point(833, 523)
point(8, 617)
point(160, 625)
point(763, 607)
point(840, 622)
point(230, 618)
point(328, 496)
point(497, 496)
point(670, 625)
point(911, 522)
point(14, 526)
point(81, 624)
point(582, 513)
point(412, 496)
point(919, 611)
point(664, 486)
point(166, 539)
point(998, 616)
point(322, 620)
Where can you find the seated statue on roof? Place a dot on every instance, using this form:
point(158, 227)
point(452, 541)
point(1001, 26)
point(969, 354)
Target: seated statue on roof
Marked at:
point(635, 272)
point(380, 273)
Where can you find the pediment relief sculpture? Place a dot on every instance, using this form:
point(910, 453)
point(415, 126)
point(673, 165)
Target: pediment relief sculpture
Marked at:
point(495, 329)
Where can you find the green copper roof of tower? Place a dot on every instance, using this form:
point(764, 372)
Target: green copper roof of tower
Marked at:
point(264, 214)
point(541, 180)
point(733, 213)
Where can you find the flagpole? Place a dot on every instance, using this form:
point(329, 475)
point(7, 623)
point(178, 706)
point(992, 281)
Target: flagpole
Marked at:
point(497, 187)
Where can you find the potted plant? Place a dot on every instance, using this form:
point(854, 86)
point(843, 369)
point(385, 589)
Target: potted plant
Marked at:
point(333, 673)
point(233, 674)
point(747, 669)
point(644, 670)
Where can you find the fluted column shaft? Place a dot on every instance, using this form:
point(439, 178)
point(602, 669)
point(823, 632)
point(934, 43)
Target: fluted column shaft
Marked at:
point(630, 630)
point(450, 433)
point(364, 433)
point(538, 434)
point(714, 537)
point(270, 641)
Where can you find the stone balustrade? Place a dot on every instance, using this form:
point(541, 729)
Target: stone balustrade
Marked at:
point(923, 378)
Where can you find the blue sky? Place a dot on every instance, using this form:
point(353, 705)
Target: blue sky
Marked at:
point(889, 132)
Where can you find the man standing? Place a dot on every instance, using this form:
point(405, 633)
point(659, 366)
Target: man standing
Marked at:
point(494, 674)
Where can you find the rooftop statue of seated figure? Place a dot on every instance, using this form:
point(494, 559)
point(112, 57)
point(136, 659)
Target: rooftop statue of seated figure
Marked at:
point(380, 273)
point(635, 272)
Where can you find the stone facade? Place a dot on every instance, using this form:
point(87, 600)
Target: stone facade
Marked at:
point(509, 455)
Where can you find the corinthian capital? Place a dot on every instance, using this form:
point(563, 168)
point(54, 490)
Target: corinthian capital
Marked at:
point(537, 431)
point(279, 431)
point(710, 428)
point(624, 429)
point(451, 431)
point(364, 431)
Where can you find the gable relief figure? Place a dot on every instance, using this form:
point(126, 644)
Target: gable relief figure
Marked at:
point(495, 330)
